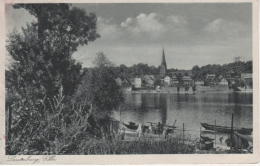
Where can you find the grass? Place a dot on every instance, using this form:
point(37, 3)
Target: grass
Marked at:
point(141, 146)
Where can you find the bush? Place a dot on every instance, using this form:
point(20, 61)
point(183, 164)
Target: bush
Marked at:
point(59, 128)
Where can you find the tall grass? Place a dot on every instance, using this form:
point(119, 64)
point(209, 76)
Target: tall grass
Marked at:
point(169, 146)
point(53, 129)
point(52, 126)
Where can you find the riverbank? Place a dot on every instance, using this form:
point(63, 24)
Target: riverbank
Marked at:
point(200, 89)
point(175, 90)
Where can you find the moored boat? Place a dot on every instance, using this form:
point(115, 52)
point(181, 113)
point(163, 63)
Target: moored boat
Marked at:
point(226, 129)
point(131, 126)
point(246, 137)
point(206, 138)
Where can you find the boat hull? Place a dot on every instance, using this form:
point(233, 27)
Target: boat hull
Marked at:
point(132, 127)
point(225, 129)
point(206, 138)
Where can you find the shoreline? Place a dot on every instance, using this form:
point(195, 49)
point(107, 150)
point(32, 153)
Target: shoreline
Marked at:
point(196, 92)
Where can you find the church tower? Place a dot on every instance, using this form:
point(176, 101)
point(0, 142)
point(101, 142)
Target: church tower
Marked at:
point(163, 66)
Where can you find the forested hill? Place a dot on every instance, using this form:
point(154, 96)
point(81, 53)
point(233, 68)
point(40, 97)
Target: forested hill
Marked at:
point(237, 67)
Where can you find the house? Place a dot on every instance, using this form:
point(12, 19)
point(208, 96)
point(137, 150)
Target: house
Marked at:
point(210, 79)
point(199, 82)
point(233, 80)
point(175, 80)
point(187, 80)
point(223, 82)
point(210, 76)
point(248, 80)
point(119, 81)
point(148, 77)
point(138, 82)
point(128, 89)
point(126, 83)
point(230, 73)
point(149, 80)
point(246, 75)
point(220, 77)
point(167, 80)
point(215, 81)
point(132, 81)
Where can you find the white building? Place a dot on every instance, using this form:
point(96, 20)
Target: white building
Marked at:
point(246, 75)
point(167, 80)
point(175, 80)
point(138, 82)
point(223, 82)
point(186, 80)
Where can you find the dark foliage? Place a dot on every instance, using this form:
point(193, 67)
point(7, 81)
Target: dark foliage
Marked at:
point(99, 87)
point(41, 54)
point(238, 67)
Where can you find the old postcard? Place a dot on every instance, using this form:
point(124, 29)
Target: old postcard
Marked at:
point(129, 82)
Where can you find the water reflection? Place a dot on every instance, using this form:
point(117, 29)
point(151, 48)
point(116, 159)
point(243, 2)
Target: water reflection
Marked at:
point(163, 108)
point(191, 109)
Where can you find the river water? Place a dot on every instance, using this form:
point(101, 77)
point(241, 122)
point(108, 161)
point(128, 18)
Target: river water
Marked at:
point(190, 109)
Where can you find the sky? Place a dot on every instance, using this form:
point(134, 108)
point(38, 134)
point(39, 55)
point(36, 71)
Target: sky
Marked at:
point(191, 33)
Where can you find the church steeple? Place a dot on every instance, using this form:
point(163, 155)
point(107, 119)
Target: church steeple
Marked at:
point(163, 66)
point(163, 62)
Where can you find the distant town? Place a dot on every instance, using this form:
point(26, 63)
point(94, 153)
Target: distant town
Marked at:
point(235, 76)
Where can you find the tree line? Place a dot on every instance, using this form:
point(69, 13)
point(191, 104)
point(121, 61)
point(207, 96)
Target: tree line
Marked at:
point(138, 70)
point(237, 67)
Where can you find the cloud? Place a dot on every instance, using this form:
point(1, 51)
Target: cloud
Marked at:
point(154, 25)
point(223, 27)
point(144, 23)
point(127, 22)
point(107, 29)
point(176, 21)
point(150, 27)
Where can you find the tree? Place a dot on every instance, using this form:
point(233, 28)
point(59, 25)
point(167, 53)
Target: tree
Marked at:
point(195, 70)
point(102, 61)
point(42, 53)
point(100, 87)
point(237, 60)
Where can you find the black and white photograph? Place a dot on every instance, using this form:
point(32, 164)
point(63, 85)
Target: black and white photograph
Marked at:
point(129, 79)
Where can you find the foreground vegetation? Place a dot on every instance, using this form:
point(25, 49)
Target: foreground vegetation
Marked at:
point(73, 129)
point(103, 147)
point(52, 104)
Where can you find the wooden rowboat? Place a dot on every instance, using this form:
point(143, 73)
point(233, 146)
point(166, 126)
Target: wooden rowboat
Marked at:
point(246, 137)
point(225, 129)
point(131, 126)
point(206, 138)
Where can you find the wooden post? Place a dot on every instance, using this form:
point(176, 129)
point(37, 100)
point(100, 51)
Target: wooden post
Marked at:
point(183, 134)
point(231, 134)
point(215, 133)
